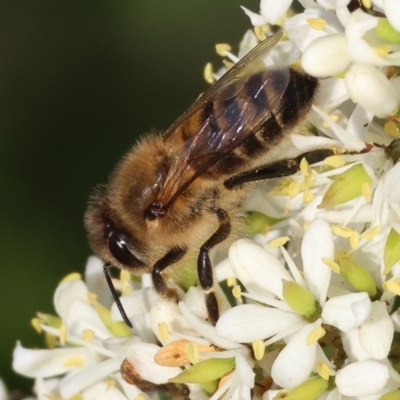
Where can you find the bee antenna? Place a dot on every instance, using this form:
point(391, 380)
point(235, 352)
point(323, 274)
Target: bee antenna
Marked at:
point(115, 295)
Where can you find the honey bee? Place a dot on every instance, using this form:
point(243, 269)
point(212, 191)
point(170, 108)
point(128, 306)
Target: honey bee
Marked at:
point(176, 196)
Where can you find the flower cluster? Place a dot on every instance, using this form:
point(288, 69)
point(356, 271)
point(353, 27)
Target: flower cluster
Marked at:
point(308, 305)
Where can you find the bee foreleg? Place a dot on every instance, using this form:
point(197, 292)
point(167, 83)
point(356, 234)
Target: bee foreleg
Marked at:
point(173, 256)
point(278, 169)
point(204, 268)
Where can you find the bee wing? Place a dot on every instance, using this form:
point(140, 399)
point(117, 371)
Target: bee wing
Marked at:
point(229, 111)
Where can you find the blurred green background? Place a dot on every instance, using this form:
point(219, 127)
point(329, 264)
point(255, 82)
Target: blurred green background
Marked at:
point(79, 80)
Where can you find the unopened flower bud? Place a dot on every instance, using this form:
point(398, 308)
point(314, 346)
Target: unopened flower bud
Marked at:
point(301, 300)
point(358, 277)
point(346, 186)
point(370, 87)
point(326, 56)
point(206, 371)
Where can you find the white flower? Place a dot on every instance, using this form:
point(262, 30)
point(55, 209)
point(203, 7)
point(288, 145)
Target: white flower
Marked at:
point(322, 277)
point(270, 12)
point(362, 378)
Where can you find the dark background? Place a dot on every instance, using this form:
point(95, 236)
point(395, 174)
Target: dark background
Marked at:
point(79, 80)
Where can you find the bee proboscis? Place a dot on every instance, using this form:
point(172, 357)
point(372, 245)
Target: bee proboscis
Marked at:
point(176, 196)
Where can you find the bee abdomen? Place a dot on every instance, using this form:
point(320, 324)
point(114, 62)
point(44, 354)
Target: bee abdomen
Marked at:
point(282, 119)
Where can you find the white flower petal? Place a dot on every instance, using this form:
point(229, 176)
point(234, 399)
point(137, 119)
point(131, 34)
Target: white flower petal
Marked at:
point(271, 394)
point(71, 304)
point(371, 88)
point(396, 321)
point(352, 346)
point(317, 244)
point(301, 33)
point(376, 333)
point(3, 391)
point(362, 378)
point(135, 303)
point(73, 384)
point(349, 140)
point(46, 388)
point(95, 281)
point(326, 56)
point(296, 361)
point(244, 368)
point(255, 19)
point(332, 4)
point(391, 188)
point(392, 12)
point(141, 356)
point(348, 311)
point(359, 23)
point(166, 311)
point(48, 363)
point(331, 94)
point(250, 322)
point(102, 391)
point(258, 270)
point(359, 122)
point(273, 10)
point(362, 52)
point(205, 329)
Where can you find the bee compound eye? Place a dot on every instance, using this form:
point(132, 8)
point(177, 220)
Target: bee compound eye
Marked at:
point(118, 246)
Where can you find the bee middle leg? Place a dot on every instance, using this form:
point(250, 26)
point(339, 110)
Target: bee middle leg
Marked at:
point(278, 169)
point(173, 256)
point(204, 268)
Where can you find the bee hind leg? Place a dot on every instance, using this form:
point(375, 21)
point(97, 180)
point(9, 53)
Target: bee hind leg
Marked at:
point(173, 256)
point(204, 268)
point(278, 169)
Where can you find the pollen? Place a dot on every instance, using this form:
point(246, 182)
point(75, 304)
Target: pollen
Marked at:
point(110, 383)
point(125, 278)
point(354, 240)
point(237, 293)
point(308, 197)
point(37, 324)
point(318, 24)
point(91, 298)
point(163, 331)
point(63, 334)
point(222, 49)
point(280, 241)
point(228, 64)
point(76, 361)
point(335, 161)
point(73, 276)
point(323, 370)
point(305, 167)
point(392, 129)
point(192, 352)
point(258, 349)
point(316, 334)
point(259, 32)
point(366, 3)
point(293, 189)
point(333, 118)
point(370, 233)
point(366, 191)
point(392, 286)
point(332, 264)
point(87, 335)
point(383, 50)
point(208, 73)
point(342, 231)
point(232, 281)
